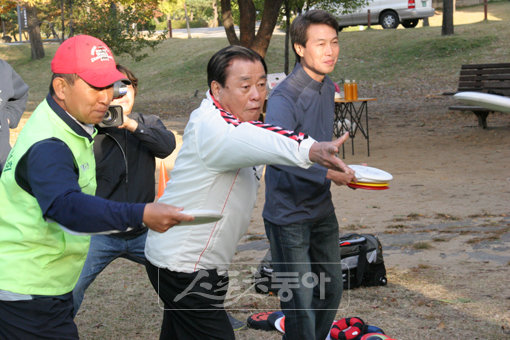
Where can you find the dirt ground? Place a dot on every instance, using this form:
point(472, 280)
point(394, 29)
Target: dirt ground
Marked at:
point(444, 225)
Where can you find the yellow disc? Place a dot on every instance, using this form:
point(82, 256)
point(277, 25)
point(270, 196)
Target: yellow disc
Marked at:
point(371, 184)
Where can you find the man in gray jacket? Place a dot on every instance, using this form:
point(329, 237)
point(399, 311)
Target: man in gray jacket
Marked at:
point(13, 98)
point(299, 215)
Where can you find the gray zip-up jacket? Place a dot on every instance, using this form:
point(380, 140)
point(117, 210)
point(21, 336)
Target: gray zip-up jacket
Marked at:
point(13, 99)
point(301, 104)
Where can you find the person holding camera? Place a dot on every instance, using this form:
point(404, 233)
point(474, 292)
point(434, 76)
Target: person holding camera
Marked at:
point(124, 150)
point(47, 203)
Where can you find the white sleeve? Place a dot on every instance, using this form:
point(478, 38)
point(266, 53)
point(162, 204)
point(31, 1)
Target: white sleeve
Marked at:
point(223, 146)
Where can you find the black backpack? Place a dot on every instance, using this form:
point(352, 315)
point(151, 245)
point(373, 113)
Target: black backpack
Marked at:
point(361, 258)
point(362, 261)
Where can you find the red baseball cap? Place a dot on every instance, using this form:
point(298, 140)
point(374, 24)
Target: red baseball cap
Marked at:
point(89, 58)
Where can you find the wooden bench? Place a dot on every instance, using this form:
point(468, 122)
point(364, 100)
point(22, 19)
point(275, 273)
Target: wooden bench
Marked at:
point(487, 78)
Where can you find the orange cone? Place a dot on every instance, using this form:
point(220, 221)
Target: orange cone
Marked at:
point(163, 178)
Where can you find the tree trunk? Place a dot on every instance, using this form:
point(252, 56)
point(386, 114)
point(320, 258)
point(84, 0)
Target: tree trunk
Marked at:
point(447, 28)
point(247, 22)
point(228, 22)
point(113, 9)
point(259, 42)
point(71, 28)
point(287, 36)
point(169, 25)
point(63, 20)
point(34, 33)
point(187, 20)
point(53, 32)
point(215, 20)
point(267, 25)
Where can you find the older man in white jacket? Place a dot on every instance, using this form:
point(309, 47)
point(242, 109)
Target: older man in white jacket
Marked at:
point(218, 168)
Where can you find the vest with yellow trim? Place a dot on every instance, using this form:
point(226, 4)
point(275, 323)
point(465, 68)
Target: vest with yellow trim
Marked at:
point(37, 257)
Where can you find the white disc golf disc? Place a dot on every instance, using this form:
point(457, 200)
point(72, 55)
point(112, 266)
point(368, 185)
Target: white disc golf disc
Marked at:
point(201, 217)
point(368, 174)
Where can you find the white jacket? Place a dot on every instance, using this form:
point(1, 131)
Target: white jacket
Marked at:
point(215, 170)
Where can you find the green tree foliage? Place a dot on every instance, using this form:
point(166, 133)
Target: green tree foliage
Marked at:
point(33, 18)
point(9, 20)
point(236, 14)
point(333, 6)
point(48, 15)
point(125, 27)
point(200, 12)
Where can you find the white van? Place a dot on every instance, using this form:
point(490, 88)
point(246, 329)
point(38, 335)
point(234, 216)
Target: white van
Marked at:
point(388, 13)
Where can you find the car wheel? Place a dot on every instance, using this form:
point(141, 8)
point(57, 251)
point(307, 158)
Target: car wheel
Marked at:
point(410, 23)
point(389, 19)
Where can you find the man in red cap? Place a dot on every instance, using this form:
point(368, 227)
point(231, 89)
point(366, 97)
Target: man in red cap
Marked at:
point(47, 207)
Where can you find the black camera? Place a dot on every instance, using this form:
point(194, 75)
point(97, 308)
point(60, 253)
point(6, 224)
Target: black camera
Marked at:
point(120, 89)
point(113, 117)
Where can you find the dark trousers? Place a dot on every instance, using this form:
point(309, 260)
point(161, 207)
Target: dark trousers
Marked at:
point(306, 262)
point(48, 317)
point(193, 304)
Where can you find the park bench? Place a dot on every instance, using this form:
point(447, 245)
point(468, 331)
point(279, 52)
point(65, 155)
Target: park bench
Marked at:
point(486, 78)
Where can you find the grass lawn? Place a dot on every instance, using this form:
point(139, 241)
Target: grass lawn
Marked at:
point(175, 71)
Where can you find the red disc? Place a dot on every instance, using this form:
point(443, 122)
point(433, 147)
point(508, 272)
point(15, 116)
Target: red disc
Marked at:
point(357, 186)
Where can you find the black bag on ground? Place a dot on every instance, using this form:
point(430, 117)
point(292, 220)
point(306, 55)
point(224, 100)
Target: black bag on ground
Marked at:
point(361, 258)
point(362, 261)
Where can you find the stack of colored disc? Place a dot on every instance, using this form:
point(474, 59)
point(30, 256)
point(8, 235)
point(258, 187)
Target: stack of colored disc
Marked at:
point(370, 178)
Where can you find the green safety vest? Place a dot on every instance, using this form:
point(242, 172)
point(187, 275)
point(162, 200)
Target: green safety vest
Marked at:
point(37, 256)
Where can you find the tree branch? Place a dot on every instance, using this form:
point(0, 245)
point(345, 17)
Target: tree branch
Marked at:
point(228, 22)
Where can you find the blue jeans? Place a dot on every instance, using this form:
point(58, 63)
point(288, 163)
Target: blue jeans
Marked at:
point(103, 250)
point(306, 261)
